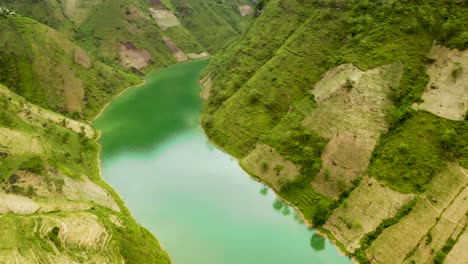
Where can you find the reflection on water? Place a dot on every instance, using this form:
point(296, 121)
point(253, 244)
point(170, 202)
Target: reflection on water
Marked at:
point(317, 242)
point(197, 199)
point(152, 114)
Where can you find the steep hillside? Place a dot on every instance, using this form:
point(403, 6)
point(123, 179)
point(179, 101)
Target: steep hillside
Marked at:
point(335, 103)
point(48, 69)
point(96, 46)
point(60, 63)
point(54, 207)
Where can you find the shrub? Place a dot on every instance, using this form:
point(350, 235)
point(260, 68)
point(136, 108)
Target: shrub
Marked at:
point(34, 165)
point(321, 213)
point(457, 71)
point(279, 168)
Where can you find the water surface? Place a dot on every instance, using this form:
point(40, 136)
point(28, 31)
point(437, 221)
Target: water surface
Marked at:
point(196, 199)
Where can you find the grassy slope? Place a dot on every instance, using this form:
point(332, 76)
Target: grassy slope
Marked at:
point(36, 59)
point(261, 83)
point(99, 28)
point(29, 55)
point(212, 22)
point(72, 154)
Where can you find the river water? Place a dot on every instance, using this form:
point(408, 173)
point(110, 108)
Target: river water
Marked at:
point(201, 205)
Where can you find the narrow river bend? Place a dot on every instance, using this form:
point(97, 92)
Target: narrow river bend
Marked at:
point(201, 205)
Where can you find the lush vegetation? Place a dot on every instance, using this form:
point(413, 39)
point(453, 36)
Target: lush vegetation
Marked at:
point(262, 83)
point(413, 152)
point(51, 48)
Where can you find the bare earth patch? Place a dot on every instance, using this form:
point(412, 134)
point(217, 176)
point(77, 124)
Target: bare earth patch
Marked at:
point(164, 18)
point(73, 91)
point(79, 229)
point(60, 193)
point(346, 156)
point(367, 206)
point(178, 54)
point(195, 56)
point(19, 142)
point(77, 10)
point(17, 204)
point(267, 164)
point(206, 83)
point(88, 191)
point(115, 220)
point(446, 94)
point(82, 58)
point(133, 57)
point(351, 111)
point(439, 211)
point(245, 10)
point(132, 12)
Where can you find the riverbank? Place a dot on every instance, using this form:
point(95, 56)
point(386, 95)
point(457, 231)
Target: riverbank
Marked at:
point(149, 138)
point(306, 221)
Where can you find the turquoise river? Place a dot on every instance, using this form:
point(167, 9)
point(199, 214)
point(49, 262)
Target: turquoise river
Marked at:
point(200, 204)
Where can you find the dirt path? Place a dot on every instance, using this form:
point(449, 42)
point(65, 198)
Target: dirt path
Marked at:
point(441, 213)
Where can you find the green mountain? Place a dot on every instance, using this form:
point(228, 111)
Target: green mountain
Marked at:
point(355, 112)
point(61, 62)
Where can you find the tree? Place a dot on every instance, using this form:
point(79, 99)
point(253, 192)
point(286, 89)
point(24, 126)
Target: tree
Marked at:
point(321, 213)
point(449, 139)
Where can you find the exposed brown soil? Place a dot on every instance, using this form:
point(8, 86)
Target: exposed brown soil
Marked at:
point(346, 156)
point(73, 91)
point(178, 54)
point(245, 10)
point(206, 83)
point(351, 111)
point(157, 4)
point(132, 12)
point(131, 56)
point(82, 58)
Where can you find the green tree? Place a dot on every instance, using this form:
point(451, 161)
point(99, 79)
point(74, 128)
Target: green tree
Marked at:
point(449, 139)
point(321, 212)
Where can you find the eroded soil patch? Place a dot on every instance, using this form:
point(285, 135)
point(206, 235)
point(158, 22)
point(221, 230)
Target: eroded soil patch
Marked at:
point(164, 18)
point(352, 106)
point(446, 94)
point(439, 211)
point(267, 164)
point(367, 206)
point(131, 56)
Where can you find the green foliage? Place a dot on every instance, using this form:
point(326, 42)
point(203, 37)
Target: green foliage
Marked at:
point(428, 238)
point(212, 23)
point(34, 164)
point(321, 213)
point(349, 84)
point(370, 237)
point(278, 168)
point(409, 156)
point(441, 254)
point(456, 72)
point(53, 236)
